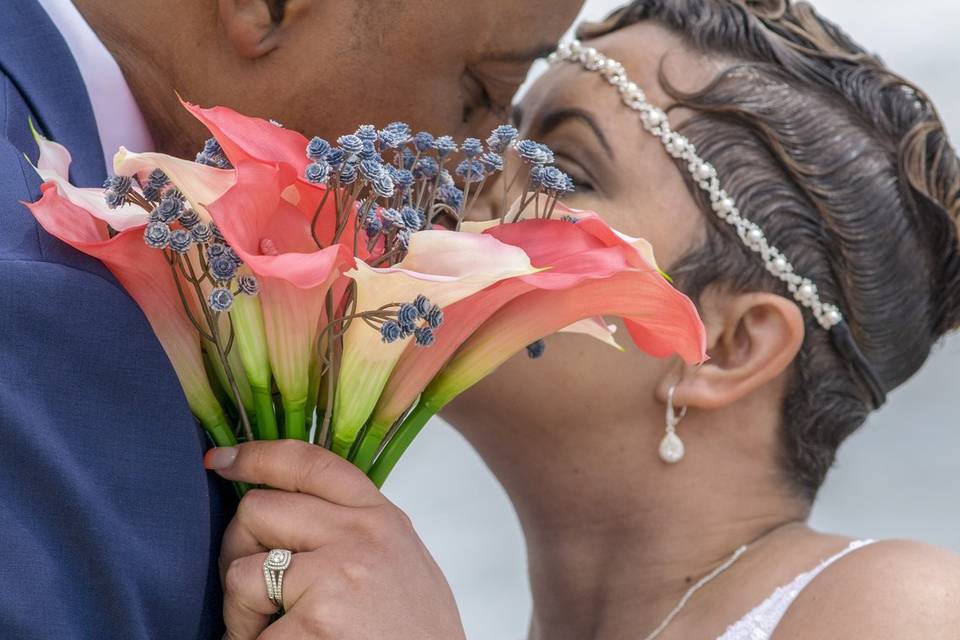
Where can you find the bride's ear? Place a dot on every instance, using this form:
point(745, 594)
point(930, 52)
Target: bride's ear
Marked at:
point(254, 27)
point(752, 339)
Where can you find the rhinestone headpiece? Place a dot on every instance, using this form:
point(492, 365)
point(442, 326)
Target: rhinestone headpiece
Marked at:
point(655, 121)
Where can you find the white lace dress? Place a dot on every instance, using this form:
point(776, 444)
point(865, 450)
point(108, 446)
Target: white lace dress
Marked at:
point(762, 621)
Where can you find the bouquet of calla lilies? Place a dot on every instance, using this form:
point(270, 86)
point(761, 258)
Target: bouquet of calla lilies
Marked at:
point(335, 293)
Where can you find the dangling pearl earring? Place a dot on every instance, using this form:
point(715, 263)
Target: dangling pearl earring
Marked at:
point(671, 447)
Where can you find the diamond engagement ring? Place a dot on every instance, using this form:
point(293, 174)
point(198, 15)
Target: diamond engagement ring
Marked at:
point(278, 560)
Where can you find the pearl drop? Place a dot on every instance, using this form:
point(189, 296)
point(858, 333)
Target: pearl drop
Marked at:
point(671, 448)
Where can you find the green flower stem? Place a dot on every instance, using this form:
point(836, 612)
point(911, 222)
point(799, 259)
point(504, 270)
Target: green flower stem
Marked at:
point(295, 420)
point(367, 451)
point(266, 426)
point(403, 438)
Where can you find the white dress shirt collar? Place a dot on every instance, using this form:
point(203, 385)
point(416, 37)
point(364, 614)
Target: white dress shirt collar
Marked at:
point(119, 119)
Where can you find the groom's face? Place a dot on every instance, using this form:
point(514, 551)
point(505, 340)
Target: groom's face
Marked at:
point(449, 67)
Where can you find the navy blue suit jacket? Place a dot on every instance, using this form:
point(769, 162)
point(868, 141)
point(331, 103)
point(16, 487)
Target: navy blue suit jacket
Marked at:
point(109, 526)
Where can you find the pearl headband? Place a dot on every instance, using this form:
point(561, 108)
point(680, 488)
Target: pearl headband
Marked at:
point(655, 121)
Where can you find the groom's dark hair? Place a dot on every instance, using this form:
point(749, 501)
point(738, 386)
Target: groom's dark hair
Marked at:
point(848, 169)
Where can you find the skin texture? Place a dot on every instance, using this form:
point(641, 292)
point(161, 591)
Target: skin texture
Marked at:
point(326, 67)
point(615, 536)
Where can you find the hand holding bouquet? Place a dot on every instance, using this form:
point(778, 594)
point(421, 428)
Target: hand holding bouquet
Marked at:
point(335, 293)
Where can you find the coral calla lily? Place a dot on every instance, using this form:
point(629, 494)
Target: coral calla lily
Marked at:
point(594, 271)
point(572, 253)
point(146, 276)
point(273, 239)
point(53, 165)
point(444, 266)
point(247, 138)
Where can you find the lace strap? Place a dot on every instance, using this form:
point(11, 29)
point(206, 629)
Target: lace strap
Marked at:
point(762, 621)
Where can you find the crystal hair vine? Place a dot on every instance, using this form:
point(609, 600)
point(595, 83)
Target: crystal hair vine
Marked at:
point(655, 121)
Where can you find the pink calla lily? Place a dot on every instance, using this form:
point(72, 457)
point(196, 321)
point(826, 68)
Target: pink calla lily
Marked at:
point(444, 266)
point(53, 166)
point(592, 271)
point(145, 275)
point(570, 253)
point(273, 239)
point(247, 138)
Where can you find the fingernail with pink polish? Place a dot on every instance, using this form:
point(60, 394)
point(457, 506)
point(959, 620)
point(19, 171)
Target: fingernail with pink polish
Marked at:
point(220, 458)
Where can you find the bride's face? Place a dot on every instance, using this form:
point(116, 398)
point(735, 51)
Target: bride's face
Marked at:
point(582, 396)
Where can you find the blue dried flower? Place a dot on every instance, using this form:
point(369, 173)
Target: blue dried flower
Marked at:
point(412, 219)
point(334, 157)
point(372, 225)
point(392, 220)
point(391, 331)
point(189, 218)
point(371, 170)
point(424, 337)
point(403, 239)
point(530, 151)
point(223, 267)
point(408, 315)
point(536, 349)
point(169, 209)
point(220, 299)
point(570, 185)
point(157, 179)
point(248, 285)
point(570, 219)
point(157, 235)
point(120, 184)
point(351, 144)
point(318, 172)
point(450, 195)
point(367, 133)
point(407, 158)
point(403, 178)
point(553, 179)
point(213, 156)
point(471, 171)
point(348, 173)
point(423, 141)
point(201, 233)
point(536, 175)
point(446, 178)
point(215, 230)
point(501, 137)
point(492, 162)
point(445, 146)
point(435, 317)
point(383, 186)
point(472, 147)
point(399, 129)
point(114, 199)
point(181, 241)
point(151, 193)
point(369, 152)
point(422, 303)
point(216, 250)
point(212, 147)
point(427, 167)
point(317, 149)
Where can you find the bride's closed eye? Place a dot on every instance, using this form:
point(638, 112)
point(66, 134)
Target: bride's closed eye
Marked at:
point(579, 144)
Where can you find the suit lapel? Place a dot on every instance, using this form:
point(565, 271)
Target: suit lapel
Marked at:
point(34, 56)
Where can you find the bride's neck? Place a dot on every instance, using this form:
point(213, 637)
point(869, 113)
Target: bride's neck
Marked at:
point(610, 556)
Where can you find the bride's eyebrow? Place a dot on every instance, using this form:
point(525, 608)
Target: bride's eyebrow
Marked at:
point(557, 117)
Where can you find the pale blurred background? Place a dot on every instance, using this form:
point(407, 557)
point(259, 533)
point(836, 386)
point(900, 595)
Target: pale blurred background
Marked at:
point(896, 478)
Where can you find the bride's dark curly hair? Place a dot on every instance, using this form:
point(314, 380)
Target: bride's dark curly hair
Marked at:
point(848, 169)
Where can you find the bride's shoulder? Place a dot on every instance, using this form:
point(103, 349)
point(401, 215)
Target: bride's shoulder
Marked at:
point(890, 589)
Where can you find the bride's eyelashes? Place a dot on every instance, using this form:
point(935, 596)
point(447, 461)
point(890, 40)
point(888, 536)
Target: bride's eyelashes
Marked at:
point(583, 181)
